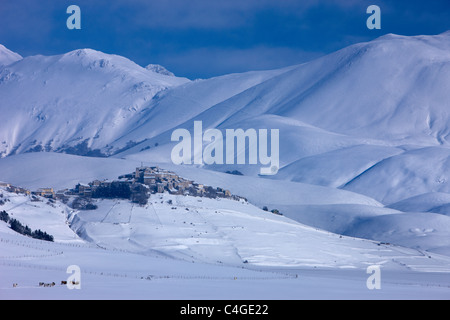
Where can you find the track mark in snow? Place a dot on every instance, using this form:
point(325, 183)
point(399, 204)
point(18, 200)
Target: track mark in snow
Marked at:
point(107, 214)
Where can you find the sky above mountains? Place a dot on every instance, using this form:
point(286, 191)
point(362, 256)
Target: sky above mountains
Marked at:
point(201, 39)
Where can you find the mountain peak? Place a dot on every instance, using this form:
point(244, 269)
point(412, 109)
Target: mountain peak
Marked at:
point(94, 59)
point(83, 52)
point(159, 69)
point(86, 54)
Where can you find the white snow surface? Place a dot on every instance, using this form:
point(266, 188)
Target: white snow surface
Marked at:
point(7, 56)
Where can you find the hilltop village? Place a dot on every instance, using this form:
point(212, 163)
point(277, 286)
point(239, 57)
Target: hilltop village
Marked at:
point(137, 187)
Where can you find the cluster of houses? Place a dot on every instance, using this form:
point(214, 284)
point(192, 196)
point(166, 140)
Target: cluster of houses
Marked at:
point(155, 180)
point(42, 192)
point(13, 189)
point(160, 180)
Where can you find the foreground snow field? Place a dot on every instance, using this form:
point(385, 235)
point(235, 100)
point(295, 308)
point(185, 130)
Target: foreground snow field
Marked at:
point(181, 247)
point(115, 274)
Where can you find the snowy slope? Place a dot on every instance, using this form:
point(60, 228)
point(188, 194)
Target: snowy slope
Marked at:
point(393, 88)
point(179, 106)
point(221, 231)
point(7, 56)
point(412, 173)
point(338, 167)
point(436, 202)
point(40, 214)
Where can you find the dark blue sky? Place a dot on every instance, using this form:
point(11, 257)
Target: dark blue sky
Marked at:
point(205, 38)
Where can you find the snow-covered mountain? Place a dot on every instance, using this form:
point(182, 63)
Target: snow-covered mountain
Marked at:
point(392, 91)
point(76, 102)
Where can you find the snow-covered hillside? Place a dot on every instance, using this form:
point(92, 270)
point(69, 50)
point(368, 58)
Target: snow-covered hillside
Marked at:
point(229, 232)
point(214, 231)
point(191, 245)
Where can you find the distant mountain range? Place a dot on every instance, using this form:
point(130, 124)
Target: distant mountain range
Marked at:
point(365, 118)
